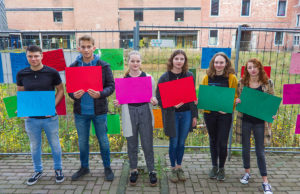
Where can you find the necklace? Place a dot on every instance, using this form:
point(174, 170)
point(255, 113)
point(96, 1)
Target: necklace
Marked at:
point(179, 75)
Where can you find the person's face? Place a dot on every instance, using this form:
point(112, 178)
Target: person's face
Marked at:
point(178, 61)
point(220, 64)
point(252, 69)
point(86, 48)
point(34, 58)
point(134, 62)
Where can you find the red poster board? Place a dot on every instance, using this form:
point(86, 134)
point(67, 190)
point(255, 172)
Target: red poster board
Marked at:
point(84, 78)
point(61, 107)
point(177, 91)
point(54, 59)
point(267, 70)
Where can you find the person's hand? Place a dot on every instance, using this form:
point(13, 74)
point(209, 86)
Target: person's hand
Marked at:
point(222, 112)
point(116, 103)
point(196, 102)
point(274, 117)
point(153, 101)
point(179, 105)
point(78, 94)
point(194, 124)
point(93, 93)
point(237, 101)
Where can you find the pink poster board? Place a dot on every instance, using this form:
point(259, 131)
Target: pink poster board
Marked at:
point(291, 94)
point(297, 130)
point(133, 90)
point(295, 63)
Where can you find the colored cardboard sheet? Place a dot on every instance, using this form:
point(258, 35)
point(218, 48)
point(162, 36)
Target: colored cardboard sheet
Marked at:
point(61, 107)
point(1, 70)
point(291, 94)
point(113, 124)
point(133, 90)
point(97, 52)
point(177, 91)
point(297, 130)
point(84, 78)
point(295, 63)
point(208, 53)
point(215, 98)
point(158, 123)
point(194, 71)
point(115, 57)
point(258, 104)
point(266, 68)
point(35, 103)
point(18, 62)
point(11, 106)
point(54, 59)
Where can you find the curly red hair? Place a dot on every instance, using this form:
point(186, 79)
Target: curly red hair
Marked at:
point(262, 76)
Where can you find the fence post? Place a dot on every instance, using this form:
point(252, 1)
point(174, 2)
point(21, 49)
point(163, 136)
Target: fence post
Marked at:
point(136, 36)
point(236, 62)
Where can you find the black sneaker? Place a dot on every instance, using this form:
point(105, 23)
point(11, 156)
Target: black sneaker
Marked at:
point(59, 176)
point(35, 177)
point(81, 172)
point(133, 178)
point(109, 175)
point(152, 178)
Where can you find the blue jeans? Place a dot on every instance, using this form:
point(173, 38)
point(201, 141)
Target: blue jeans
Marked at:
point(83, 123)
point(34, 129)
point(176, 147)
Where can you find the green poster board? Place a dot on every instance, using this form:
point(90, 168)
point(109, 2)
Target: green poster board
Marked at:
point(113, 124)
point(258, 104)
point(115, 57)
point(11, 106)
point(215, 98)
point(97, 52)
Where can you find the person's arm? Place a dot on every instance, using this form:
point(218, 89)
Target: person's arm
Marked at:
point(20, 88)
point(59, 93)
point(109, 85)
point(158, 93)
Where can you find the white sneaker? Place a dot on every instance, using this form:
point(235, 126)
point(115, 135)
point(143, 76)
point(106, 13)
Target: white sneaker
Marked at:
point(245, 178)
point(267, 188)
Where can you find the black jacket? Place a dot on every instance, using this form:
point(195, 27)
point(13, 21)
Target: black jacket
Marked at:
point(100, 104)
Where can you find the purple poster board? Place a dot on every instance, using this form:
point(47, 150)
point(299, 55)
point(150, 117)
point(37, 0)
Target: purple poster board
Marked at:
point(133, 90)
point(291, 94)
point(297, 130)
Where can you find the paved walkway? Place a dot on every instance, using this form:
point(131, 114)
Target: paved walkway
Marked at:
point(283, 170)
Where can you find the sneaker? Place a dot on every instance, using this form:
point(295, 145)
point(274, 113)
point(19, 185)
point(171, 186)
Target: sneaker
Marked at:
point(180, 174)
point(81, 172)
point(133, 178)
point(59, 176)
point(267, 188)
point(174, 177)
point(245, 178)
point(109, 175)
point(213, 173)
point(35, 177)
point(152, 178)
point(221, 174)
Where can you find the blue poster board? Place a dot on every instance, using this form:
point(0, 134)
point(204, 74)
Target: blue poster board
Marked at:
point(18, 62)
point(208, 53)
point(35, 103)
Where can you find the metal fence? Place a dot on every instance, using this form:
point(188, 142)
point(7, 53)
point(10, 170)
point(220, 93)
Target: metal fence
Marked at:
point(156, 43)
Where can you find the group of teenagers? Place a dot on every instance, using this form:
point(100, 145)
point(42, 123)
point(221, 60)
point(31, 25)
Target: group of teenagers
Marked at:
point(137, 118)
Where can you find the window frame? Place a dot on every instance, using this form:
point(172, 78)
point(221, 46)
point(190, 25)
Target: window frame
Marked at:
point(298, 41)
point(217, 42)
point(57, 12)
point(140, 11)
point(285, 11)
point(282, 41)
point(178, 11)
point(249, 11)
point(210, 10)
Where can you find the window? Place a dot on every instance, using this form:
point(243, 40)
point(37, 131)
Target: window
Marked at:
point(214, 8)
point(298, 21)
point(179, 15)
point(213, 37)
point(278, 38)
point(281, 8)
point(57, 16)
point(245, 8)
point(138, 15)
point(296, 41)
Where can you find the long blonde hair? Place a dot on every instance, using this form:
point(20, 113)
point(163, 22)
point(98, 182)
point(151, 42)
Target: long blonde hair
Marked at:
point(134, 52)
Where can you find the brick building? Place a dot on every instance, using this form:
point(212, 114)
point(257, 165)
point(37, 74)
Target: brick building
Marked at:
point(63, 17)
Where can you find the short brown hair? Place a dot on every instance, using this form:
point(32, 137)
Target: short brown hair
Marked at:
point(211, 72)
point(33, 48)
point(262, 76)
point(86, 38)
point(170, 61)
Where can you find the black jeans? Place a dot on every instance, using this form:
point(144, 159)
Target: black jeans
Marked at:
point(218, 127)
point(259, 133)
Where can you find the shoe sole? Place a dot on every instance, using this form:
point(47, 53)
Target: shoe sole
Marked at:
point(60, 181)
point(35, 181)
point(75, 179)
point(244, 183)
point(213, 177)
point(221, 179)
point(153, 185)
point(109, 179)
